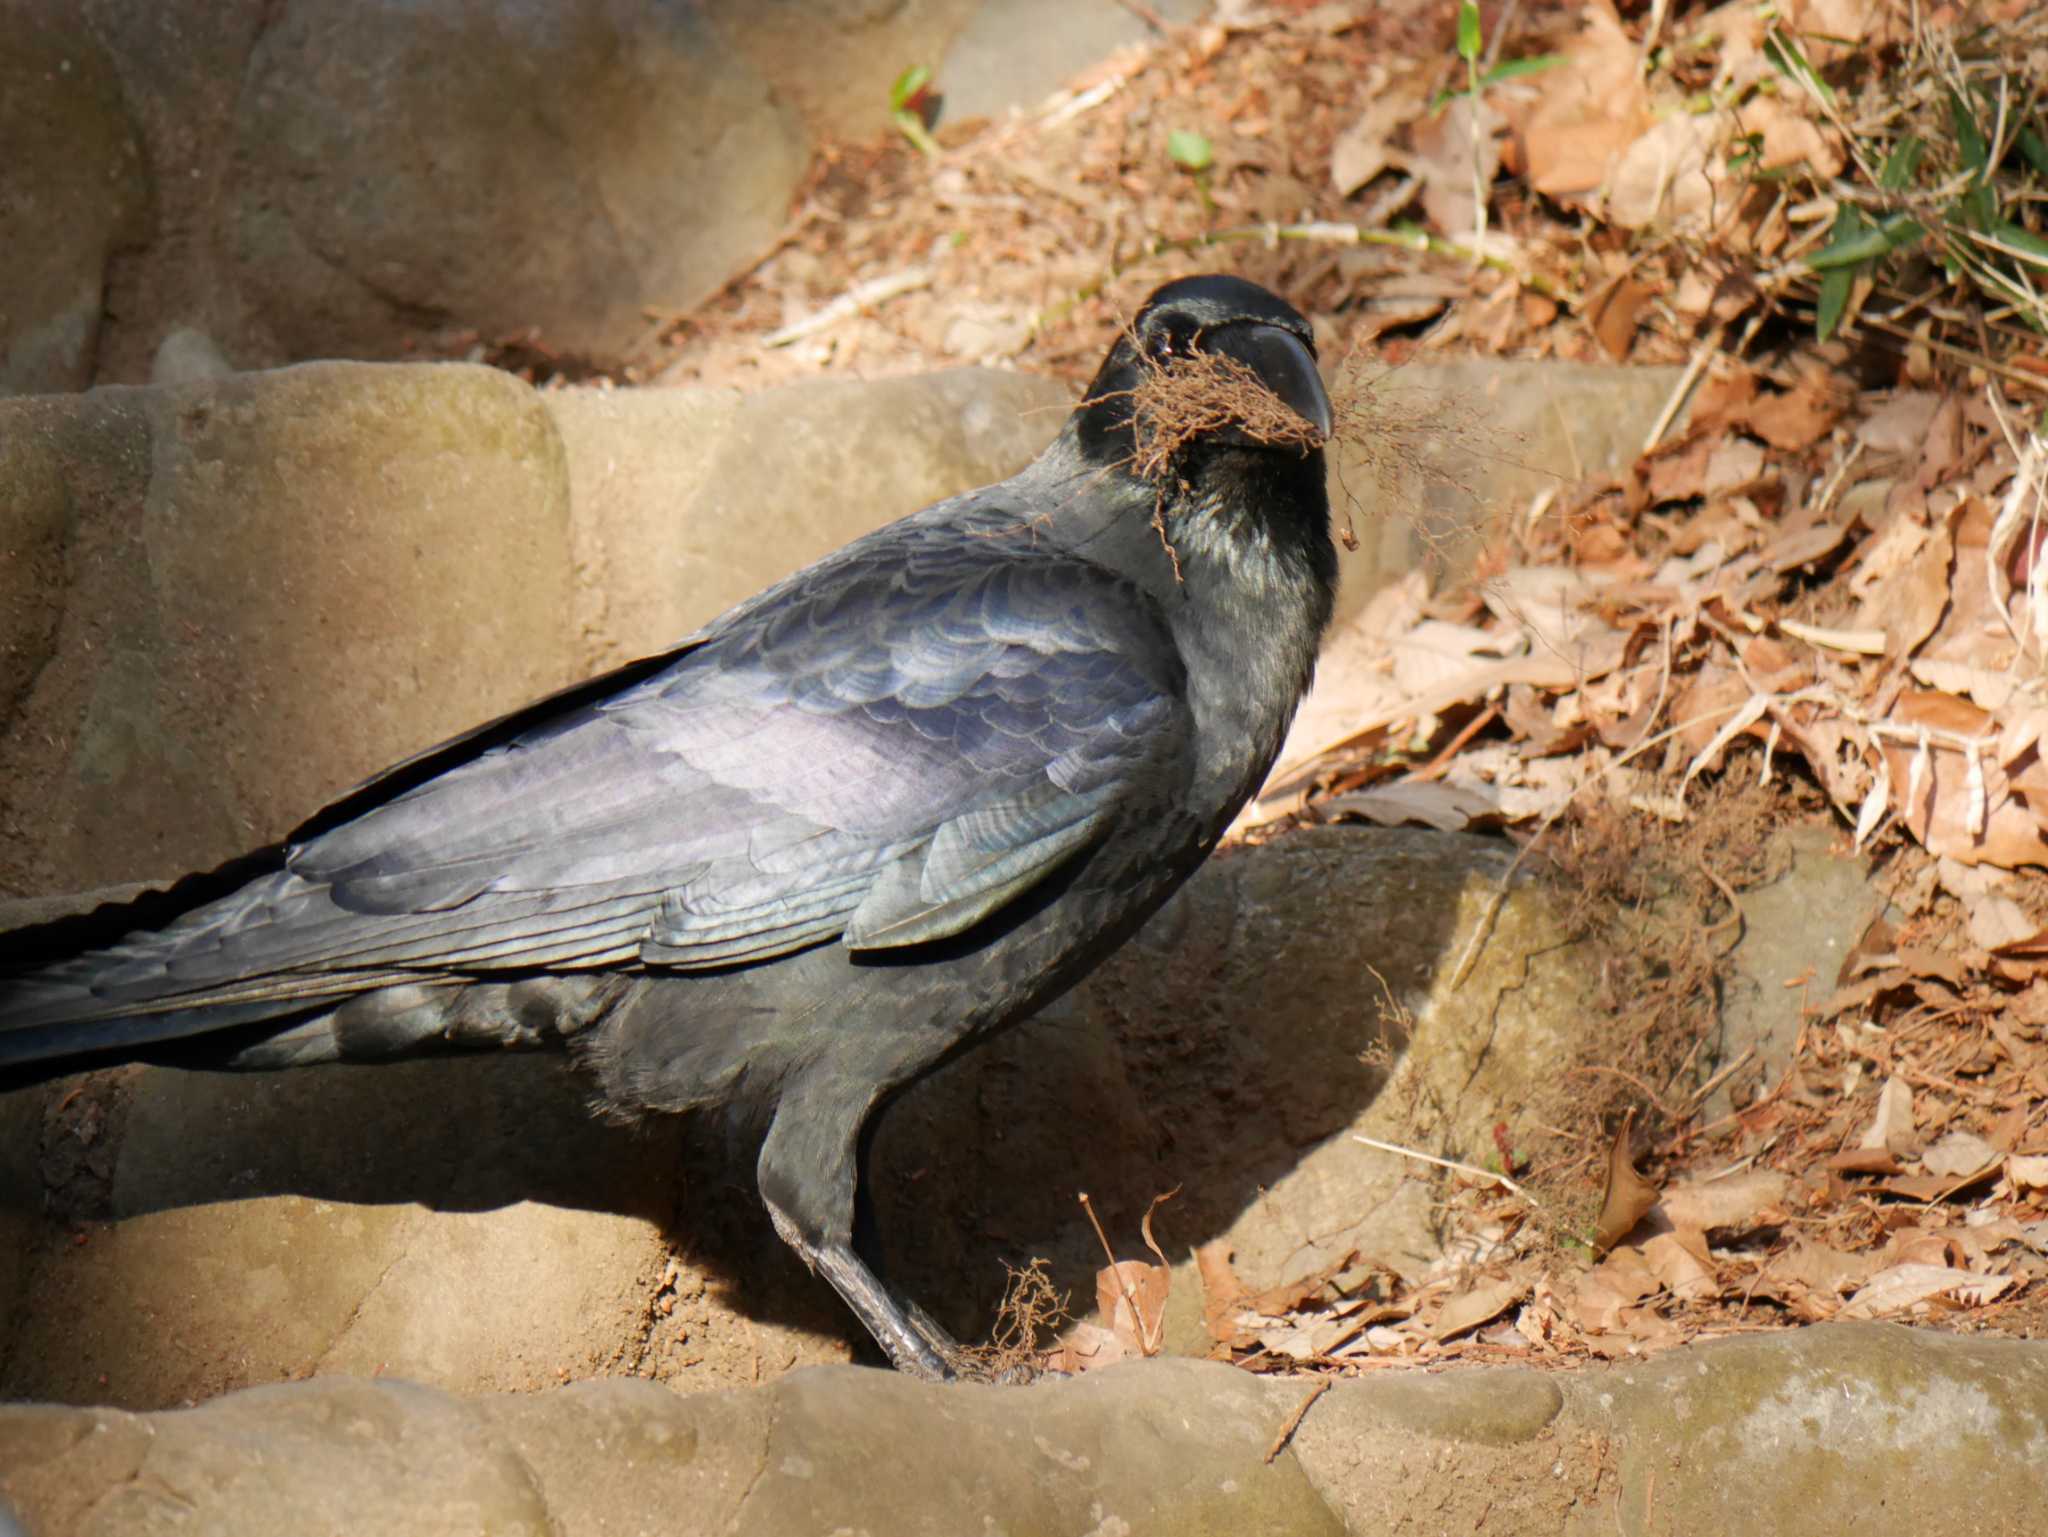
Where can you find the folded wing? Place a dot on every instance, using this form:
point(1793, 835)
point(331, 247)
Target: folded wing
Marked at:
point(884, 752)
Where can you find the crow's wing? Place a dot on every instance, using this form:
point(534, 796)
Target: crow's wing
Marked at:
point(885, 750)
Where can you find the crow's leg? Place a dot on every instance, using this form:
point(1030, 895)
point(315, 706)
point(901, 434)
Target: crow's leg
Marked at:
point(867, 1238)
point(808, 1172)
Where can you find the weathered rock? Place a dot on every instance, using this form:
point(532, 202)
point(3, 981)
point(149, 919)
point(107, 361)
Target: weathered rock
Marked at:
point(314, 179)
point(496, 167)
point(187, 356)
point(1221, 1053)
point(1176, 1447)
point(1897, 1430)
point(269, 587)
point(267, 573)
point(21, 1224)
point(266, 1226)
point(72, 192)
point(182, 65)
point(688, 501)
point(35, 519)
point(1910, 1429)
point(305, 575)
point(1010, 57)
point(1484, 437)
point(671, 491)
point(1900, 1431)
point(1800, 926)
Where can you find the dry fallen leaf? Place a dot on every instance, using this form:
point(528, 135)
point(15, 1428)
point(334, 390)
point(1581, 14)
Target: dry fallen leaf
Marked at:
point(1279, 1301)
point(1131, 1296)
point(1612, 310)
point(1828, 1272)
point(1737, 1202)
point(2027, 1171)
point(1554, 605)
point(1483, 1303)
point(1995, 916)
point(1629, 1196)
point(1296, 1339)
point(1446, 144)
point(1366, 148)
point(1958, 1154)
point(1799, 417)
point(1587, 113)
point(1835, 27)
point(1864, 1160)
point(1921, 1246)
point(1899, 425)
point(1990, 689)
point(1220, 1291)
point(1908, 586)
point(1890, 551)
point(1667, 176)
point(1436, 652)
point(1790, 136)
point(1681, 1262)
point(1733, 464)
point(1611, 1288)
point(1086, 1348)
point(1678, 471)
point(1954, 802)
point(1436, 803)
point(1891, 1127)
point(1902, 1286)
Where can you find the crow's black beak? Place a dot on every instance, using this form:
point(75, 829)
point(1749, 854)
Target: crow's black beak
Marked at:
point(1283, 363)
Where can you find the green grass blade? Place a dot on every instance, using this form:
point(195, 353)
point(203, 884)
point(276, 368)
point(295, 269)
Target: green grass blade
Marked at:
point(1970, 145)
point(1516, 69)
point(1901, 163)
point(1837, 281)
point(2034, 149)
point(1785, 55)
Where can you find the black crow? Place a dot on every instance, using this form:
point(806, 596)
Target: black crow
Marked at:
point(884, 809)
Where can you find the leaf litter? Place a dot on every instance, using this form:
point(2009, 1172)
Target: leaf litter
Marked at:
point(1823, 633)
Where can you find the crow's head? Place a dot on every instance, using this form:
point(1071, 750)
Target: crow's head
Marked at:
point(1192, 326)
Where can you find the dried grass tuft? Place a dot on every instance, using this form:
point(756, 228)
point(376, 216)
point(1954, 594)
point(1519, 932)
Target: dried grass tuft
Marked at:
point(1031, 1312)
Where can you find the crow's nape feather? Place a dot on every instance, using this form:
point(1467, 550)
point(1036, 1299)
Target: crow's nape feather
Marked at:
point(887, 807)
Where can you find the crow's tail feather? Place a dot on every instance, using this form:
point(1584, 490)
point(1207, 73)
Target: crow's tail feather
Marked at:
point(232, 982)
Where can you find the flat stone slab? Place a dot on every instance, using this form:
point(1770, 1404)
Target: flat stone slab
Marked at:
point(1873, 1426)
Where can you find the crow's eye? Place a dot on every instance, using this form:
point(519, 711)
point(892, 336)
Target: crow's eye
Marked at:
point(1169, 344)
